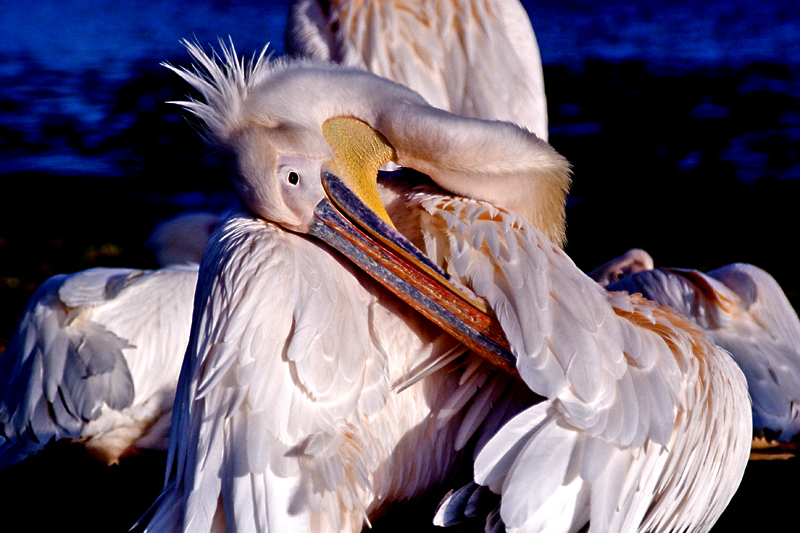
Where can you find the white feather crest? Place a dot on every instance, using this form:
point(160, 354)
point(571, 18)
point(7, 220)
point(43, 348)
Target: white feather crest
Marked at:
point(224, 81)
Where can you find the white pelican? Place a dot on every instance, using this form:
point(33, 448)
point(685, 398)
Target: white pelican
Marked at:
point(95, 358)
point(633, 261)
point(181, 239)
point(287, 414)
point(476, 58)
point(744, 310)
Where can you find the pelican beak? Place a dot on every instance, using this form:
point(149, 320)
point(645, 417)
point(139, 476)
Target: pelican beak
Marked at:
point(347, 224)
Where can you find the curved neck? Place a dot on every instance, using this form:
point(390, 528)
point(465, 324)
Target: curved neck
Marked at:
point(492, 161)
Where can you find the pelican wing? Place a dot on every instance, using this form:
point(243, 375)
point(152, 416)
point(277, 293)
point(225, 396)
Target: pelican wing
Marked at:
point(744, 311)
point(706, 300)
point(153, 313)
point(568, 337)
point(69, 364)
point(618, 441)
point(279, 371)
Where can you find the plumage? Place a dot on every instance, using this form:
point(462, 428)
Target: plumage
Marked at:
point(325, 421)
point(181, 239)
point(95, 358)
point(289, 412)
point(479, 59)
point(744, 310)
point(633, 261)
point(661, 385)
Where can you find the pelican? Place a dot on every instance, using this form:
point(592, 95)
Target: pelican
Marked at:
point(182, 238)
point(95, 358)
point(313, 394)
point(633, 261)
point(96, 354)
point(476, 58)
point(744, 310)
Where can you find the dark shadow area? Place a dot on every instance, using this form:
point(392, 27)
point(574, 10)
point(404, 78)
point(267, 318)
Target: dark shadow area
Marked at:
point(65, 487)
point(699, 169)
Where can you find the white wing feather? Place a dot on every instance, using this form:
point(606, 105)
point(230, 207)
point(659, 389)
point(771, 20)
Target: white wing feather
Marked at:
point(275, 375)
point(744, 310)
point(633, 389)
point(96, 356)
point(285, 415)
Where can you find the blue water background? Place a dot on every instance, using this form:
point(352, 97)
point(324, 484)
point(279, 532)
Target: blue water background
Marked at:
point(62, 61)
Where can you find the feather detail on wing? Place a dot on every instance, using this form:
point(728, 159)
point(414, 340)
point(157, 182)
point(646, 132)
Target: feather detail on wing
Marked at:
point(744, 310)
point(272, 373)
point(633, 388)
point(95, 356)
point(288, 412)
point(570, 343)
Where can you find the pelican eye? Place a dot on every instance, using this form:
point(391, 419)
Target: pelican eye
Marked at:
point(293, 177)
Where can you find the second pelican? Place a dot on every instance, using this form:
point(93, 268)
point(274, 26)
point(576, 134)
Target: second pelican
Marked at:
point(476, 58)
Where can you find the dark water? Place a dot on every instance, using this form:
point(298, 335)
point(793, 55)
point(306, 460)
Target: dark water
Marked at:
point(64, 64)
point(681, 120)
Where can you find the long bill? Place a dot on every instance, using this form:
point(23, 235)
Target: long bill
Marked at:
point(348, 225)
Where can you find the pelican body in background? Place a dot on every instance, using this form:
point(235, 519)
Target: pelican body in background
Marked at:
point(633, 261)
point(182, 238)
point(744, 311)
point(95, 358)
point(476, 58)
point(311, 396)
point(96, 354)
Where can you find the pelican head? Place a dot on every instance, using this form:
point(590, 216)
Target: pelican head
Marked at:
point(290, 186)
point(633, 261)
point(274, 118)
point(298, 133)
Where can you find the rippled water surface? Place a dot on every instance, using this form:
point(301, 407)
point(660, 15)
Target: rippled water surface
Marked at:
point(64, 63)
